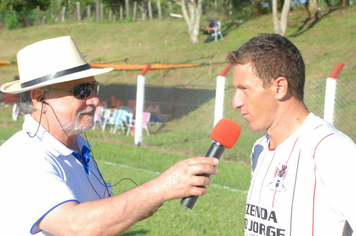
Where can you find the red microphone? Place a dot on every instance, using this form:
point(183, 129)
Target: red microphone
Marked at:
point(224, 135)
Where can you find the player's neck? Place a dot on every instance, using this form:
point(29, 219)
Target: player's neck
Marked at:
point(287, 122)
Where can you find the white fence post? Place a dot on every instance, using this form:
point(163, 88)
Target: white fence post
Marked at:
point(220, 94)
point(330, 92)
point(140, 94)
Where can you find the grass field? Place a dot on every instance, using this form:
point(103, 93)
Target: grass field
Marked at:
point(323, 40)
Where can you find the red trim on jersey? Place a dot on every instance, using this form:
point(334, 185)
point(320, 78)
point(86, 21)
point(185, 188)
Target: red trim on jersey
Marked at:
point(315, 180)
point(275, 193)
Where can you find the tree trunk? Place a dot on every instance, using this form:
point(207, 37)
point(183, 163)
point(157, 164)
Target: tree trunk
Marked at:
point(88, 12)
point(78, 11)
point(192, 11)
point(230, 7)
point(149, 10)
point(97, 11)
point(159, 10)
point(134, 11)
point(127, 9)
point(63, 13)
point(143, 11)
point(313, 5)
point(170, 6)
point(215, 7)
point(101, 11)
point(280, 26)
point(110, 13)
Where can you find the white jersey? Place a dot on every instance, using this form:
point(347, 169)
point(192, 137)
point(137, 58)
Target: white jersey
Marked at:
point(306, 186)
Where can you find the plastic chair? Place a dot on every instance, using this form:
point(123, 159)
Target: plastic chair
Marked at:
point(145, 121)
point(218, 32)
point(119, 118)
point(106, 116)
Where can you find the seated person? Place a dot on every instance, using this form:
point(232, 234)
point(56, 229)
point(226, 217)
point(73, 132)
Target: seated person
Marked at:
point(155, 111)
point(114, 103)
point(211, 27)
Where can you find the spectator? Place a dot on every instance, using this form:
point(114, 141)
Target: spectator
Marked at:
point(155, 111)
point(114, 102)
point(211, 27)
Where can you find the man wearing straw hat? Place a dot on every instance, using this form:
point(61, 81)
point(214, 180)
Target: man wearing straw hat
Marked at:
point(51, 184)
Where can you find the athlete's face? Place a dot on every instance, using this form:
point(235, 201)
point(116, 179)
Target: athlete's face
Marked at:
point(257, 104)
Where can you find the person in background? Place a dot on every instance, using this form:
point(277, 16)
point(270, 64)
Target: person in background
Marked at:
point(50, 181)
point(302, 177)
point(114, 103)
point(155, 111)
point(209, 29)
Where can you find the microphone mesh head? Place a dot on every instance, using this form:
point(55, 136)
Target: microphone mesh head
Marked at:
point(226, 132)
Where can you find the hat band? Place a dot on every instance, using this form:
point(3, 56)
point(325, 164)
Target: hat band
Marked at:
point(56, 75)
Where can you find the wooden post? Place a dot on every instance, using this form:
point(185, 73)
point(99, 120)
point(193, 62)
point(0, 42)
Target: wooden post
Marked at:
point(78, 11)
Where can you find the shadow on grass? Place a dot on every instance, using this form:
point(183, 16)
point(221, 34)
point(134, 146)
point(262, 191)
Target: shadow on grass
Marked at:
point(139, 232)
point(311, 21)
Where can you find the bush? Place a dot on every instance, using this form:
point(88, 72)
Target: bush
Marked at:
point(11, 20)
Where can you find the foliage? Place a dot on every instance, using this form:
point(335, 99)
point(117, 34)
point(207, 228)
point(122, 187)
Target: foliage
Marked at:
point(11, 20)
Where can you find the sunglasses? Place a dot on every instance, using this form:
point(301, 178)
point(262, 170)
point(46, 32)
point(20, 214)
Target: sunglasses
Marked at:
point(82, 91)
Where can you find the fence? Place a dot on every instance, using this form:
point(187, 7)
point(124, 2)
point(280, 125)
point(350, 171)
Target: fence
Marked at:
point(179, 101)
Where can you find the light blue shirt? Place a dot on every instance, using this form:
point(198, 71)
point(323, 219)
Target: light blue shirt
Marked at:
point(40, 173)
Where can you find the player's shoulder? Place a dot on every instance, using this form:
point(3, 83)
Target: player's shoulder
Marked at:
point(320, 132)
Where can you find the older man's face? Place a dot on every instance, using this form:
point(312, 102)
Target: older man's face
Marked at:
point(74, 115)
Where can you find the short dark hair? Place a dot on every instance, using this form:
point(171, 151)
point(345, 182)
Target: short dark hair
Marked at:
point(272, 56)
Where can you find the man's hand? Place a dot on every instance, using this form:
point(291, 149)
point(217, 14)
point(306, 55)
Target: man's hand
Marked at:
point(182, 180)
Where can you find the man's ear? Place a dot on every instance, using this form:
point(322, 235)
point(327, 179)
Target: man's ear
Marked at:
point(281, 87)
point(37, 97)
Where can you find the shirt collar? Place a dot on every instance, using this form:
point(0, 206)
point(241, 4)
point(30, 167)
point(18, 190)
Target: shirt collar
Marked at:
point(57, 148)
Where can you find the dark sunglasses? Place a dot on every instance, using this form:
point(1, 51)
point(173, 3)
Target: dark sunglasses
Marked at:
point(82, 91)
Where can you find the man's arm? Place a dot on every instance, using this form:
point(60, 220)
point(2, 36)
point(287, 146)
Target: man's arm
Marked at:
point(114, 215)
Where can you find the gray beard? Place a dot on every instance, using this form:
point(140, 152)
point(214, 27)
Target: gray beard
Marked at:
point(75, 128)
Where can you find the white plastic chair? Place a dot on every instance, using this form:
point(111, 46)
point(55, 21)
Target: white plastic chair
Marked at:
point(118, 119)
point(106, 117)
point(145, 122)
point(218, 32)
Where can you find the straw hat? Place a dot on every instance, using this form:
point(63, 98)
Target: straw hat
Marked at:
point(50, 61)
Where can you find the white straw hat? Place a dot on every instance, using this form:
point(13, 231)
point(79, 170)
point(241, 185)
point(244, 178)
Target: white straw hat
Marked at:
point(50, 61)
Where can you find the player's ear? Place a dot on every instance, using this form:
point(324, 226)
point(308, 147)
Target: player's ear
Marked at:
point(281, 87)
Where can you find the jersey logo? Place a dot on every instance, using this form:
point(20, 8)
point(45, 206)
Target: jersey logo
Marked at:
point(278, 181)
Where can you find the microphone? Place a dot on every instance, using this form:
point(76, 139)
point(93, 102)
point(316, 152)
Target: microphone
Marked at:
point(224, 135)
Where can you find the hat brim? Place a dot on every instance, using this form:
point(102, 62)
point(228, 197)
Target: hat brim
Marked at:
point(14, 87)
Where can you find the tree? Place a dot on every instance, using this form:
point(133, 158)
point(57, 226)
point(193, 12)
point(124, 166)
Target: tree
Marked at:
point(280, 26)
point(192, 12)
